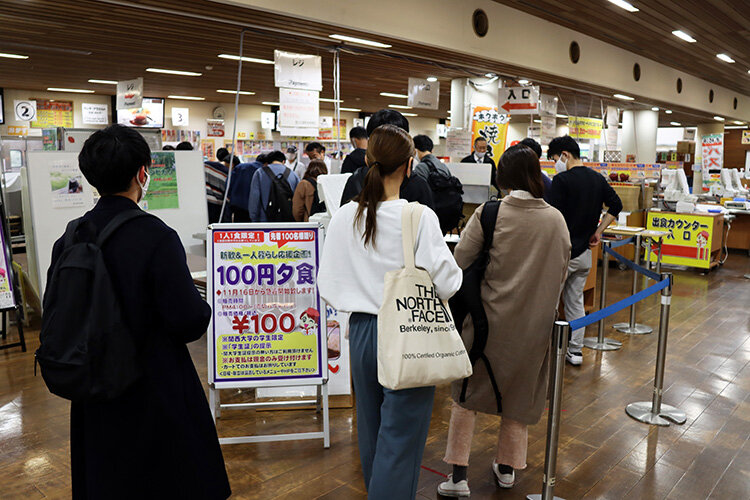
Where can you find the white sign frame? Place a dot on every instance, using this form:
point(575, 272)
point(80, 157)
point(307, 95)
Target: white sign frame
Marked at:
point(297, 71)
point(519, 100)
point(180, 117)
point(130, 94)
point(299, 112)
point(24, 106)
point(423, 94)
point(94, 113)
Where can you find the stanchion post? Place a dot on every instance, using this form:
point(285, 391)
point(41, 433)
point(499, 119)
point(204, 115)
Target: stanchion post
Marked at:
point(600, 343)
point(658, 255)
point(633, 328)
point(655, 412)
point(562, 332)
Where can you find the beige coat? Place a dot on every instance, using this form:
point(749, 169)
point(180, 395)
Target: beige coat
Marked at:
point(520, 292)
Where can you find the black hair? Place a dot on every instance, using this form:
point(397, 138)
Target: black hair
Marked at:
point(221, 153)
point(235, 160)
point(262, 158)
point(314, 146)
point(387, 116)
point(358, 133)
point(423, 143)
point(564, 143)
point(480, 138)
point(168, 147)
point(535, 146)
point(275, 156)
point(111, 157)
point(184, 146)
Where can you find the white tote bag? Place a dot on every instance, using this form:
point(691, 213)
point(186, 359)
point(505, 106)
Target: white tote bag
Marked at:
point(418, 344)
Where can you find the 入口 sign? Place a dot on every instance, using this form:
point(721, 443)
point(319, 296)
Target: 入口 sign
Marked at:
point(519, 100)
point(297, 71)
point(423, 94)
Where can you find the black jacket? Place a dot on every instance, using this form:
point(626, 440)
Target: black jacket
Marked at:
point(412, 189)
point(487, 159)
point(158, 439)
point(353, 161)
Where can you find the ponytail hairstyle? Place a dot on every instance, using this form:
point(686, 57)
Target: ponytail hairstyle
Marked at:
point(389, 148)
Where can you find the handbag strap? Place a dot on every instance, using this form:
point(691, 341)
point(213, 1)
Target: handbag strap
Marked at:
point(410, 216)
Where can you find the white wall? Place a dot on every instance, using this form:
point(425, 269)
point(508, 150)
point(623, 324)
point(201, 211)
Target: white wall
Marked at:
point(78, 100)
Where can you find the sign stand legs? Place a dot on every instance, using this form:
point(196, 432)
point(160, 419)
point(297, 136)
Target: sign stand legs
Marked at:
point(655, 412)
point(600, 343)
point(632, 327)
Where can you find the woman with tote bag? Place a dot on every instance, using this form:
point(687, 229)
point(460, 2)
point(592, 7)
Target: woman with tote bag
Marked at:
point(363, 243)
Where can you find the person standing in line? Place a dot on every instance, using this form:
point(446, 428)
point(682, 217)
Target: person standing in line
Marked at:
point(157, 439)
point(184, 146)
point(423, 144)
point(216, 185)
point(528, 262)
point(363, 243)
point(316, 151)
point(239, 188)
point(537, 148)
point(261, 185)
point(356, 159)
point(579, 193)
point(306, 193)
point(479, 155)
point(293, 162)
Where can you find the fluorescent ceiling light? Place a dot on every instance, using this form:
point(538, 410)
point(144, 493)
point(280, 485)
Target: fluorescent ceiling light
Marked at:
point(409, 114)
point(490, 75)
point(654, 109)
point(624, 5)
point(245, 59)
point(676, 124)
point(624, 97)
point(718, 118)
point(561, 116)
point(740, 127)
point(725, 58)
point(431, 78)
point(537, 121)
point(75, 91)
point(173, 72)
point(242, 92)
point(391, 94)
point(738, 122)
point(353, 110)
point(399, 106)
point(669, 111)
point(325, 99)
point(103, 82)
point(269, 103)
point(361, 41)
point(12, 56)
point(186, 97)
point(523, 82)
point(684, 36)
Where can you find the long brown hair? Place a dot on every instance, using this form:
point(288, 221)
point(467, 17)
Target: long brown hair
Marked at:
point(314, 169)
point(519, 168)
point(389, 149)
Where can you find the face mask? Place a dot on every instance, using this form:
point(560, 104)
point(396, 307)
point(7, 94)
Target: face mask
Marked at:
point(144, 186)
point(560, 165)
point(291, 157)
point(480, 155)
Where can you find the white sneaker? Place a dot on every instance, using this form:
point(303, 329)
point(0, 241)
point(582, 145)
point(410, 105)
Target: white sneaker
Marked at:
point(503, 480)
point(574, 358)
point(451, 489)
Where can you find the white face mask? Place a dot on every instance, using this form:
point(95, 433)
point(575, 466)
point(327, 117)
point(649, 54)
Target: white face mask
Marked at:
point(560, 165)
point(291, 157)
point(480, 155)
point(144, 186)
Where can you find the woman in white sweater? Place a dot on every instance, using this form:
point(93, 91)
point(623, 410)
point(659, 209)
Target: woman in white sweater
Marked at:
point(362, 244)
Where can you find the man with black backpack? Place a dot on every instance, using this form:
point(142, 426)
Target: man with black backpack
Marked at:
point(119, 308)
point(447, 191)
point(272, 191)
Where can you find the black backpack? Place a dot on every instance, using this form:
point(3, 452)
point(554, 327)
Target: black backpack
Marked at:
point(448, 198)
point(279, 206)
point(317, 205)
point(468, 301)
point(87, 352)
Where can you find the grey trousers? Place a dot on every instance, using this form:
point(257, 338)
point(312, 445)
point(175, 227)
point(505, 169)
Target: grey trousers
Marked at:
point(391, 425)
point(578, 271)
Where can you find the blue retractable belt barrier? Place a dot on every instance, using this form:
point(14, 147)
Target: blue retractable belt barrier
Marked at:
point(618, 306)
point(619, 243)
point(633, 265)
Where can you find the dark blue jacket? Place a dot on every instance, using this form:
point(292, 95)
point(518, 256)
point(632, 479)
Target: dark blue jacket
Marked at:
point(239, 183)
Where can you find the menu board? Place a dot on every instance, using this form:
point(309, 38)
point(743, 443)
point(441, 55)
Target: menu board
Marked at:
point(53, 113)
point(268, 325)
point(150, 115)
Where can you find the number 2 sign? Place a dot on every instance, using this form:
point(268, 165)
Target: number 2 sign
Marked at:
point(25, 110)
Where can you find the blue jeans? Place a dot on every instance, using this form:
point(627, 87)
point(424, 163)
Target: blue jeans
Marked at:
point(391, 425)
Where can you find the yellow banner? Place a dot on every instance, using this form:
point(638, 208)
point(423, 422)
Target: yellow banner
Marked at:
point(581, 127)
point(488, 123)
point(690, 238)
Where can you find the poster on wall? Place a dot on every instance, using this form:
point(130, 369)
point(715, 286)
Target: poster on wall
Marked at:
point(582, 127)
point(547, 130)
point(180, 117)
point(162, 188)
point(95, 114)
point(458, 143)
point(51, 113)
point(486, 122)
point(745, 136)
point(268, 321)
point(49, 139)
point(331, 130)
point(215, 128)
point(207, 146)
point(712, 148)
point(297, 71)
point(7, 300)
point(130, 94)
point(423, 94)
point(66, 185)
point(299, 112)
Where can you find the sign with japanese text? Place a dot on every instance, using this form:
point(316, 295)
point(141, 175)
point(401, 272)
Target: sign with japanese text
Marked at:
point(519, 100)
point(581, 127)
point(423, 94)
point(689, 240)
point(458, 143)
point(332, 130)
point(53, 113)
point(297, 71)
point(633, 170)
point(486, 122)
point(215, 128)
point(268, 322)
point(130, 94)
point(548, 129)
point(712, 147)
point(18, 130)
point(299, 112)
point(95, 114)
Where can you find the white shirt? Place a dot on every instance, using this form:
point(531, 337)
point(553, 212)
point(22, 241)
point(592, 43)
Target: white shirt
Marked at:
point(351, 276)
point(521, 194)
point(297, 167)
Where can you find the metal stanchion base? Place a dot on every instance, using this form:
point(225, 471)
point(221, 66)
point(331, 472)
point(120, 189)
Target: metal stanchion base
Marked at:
point(642, 411)
point(605, 345)
point(637, 329)
point(538, 496)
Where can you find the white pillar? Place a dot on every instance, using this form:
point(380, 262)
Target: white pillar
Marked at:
point(459, 103)
point(639, 135)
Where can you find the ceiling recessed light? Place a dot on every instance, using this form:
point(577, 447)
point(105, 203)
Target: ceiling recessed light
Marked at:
point(684, 36)
point(537, 121)
point(186, 97)
point(676, 124)
point(353, 110)
point(725, 58)
point(241, 92)
point(669, 111)
point(325, 99)
point(409, 114)
point(490, 75)
point(624, 5)
point(736, 122)
point(103, 82)
point(561, 116)
point(523, 82)
point(432, 79)
point(361, 41)
point(75, 91)
point(391, 94)
point(654, 109)
point(173, 72)
point(245, 59)
point(12, 56)
point(399, 106)
point(718, 118)
point(269, 103)
point(624, 97)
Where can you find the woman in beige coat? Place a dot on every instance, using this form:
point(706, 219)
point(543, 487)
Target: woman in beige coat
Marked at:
point(520, 293)
point(305, 193)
